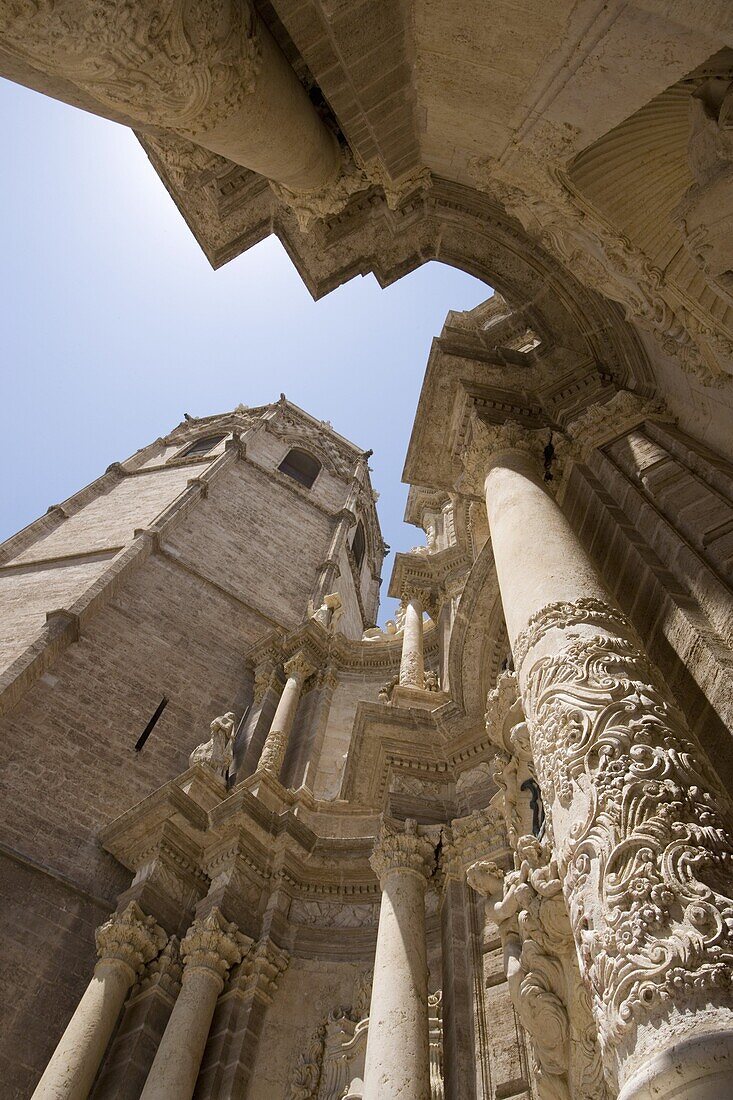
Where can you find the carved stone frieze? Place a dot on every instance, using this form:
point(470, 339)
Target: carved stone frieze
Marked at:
point(332, 914)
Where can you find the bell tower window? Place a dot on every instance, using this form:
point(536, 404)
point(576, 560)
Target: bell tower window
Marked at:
point(358, 546)
point(202, 446)
point(301, 466)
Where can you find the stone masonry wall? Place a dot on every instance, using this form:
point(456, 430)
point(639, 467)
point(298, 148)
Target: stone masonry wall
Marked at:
point(239, 562)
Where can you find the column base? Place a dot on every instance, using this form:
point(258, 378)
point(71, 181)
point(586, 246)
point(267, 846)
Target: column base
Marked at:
point(698, 1068)
point(405, 695)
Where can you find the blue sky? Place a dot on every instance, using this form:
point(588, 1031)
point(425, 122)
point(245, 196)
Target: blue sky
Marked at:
point(113, 323)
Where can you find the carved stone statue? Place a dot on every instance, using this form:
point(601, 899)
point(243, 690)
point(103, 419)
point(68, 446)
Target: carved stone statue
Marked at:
point(385, 692)
point(431, 682)
point(542, 972)
point(217, 752)
point(329, 613)
point(705, 214)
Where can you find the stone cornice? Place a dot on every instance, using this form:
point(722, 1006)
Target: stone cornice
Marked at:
point(432, 572)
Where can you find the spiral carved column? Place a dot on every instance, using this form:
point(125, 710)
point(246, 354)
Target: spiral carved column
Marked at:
point(640, 824)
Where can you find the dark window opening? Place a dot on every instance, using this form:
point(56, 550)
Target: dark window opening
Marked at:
point(203, 446)
point(149, 728)
point(358, 546)
point(301, 466)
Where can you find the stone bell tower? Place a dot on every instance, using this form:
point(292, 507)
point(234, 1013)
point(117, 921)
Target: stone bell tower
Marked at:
point(127, 612)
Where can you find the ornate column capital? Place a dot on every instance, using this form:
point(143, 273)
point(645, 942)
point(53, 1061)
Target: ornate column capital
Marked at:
point(298, 667)
point(486, 441)
point(265, 678)
point(213, 944)
point(261, 970)
point(472, 839)
point(130, 938)
point(402, 848)
point(429, 596)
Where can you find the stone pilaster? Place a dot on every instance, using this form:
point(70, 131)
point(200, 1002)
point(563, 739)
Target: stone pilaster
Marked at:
point(239, 1020)
point(125, 943)
point(397, 1057)
point(209, 949)
point(641, 827)
point(249, 743)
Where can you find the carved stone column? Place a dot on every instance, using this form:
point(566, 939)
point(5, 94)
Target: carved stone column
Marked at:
point(641, 827)
point(210, 73)
point(412, 664)
point(125, 943)
point(397, 1056)
point(297, 670)
point(211, 946)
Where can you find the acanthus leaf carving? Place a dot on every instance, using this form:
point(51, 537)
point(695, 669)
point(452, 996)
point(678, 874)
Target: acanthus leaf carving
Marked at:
point(130, 937)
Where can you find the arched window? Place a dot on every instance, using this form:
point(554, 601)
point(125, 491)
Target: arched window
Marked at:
point(301, 466)
point(202, 446)
point(358, 546)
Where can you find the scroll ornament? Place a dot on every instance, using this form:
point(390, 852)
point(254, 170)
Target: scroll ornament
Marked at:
point(647, 864)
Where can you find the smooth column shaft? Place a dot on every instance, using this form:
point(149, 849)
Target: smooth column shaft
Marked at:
point(538, 558)
point(273, 751)
point(73, 1066)
point(398, 1054)
point(176, 1066)
point(412, 664)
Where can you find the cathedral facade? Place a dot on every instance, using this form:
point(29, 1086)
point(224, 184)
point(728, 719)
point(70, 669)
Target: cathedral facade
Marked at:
point(256, 846)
